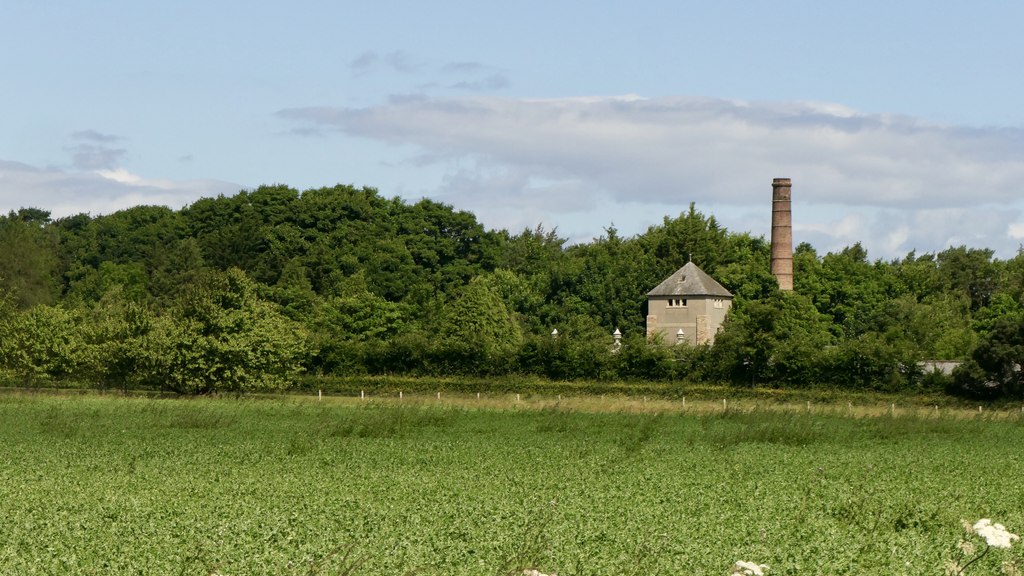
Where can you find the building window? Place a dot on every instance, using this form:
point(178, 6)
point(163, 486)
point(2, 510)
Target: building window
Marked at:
point(677, 302)
point(718, 303)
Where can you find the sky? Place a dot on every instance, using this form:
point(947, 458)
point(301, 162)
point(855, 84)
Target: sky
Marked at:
point(899, 123)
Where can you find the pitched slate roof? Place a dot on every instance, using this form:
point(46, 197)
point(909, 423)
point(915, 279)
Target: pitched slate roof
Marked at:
point(690, 281)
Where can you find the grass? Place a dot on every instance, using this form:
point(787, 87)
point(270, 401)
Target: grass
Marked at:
point(585, 486)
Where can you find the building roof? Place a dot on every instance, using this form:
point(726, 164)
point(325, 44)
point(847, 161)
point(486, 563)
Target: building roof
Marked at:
point(690, 281)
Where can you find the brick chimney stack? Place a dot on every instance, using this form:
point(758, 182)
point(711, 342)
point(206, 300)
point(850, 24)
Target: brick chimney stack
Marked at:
point(782, 234)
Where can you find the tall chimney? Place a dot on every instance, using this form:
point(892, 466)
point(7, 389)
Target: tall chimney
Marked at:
point(782, 234)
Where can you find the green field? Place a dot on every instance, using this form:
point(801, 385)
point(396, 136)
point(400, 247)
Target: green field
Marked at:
point(101, 485)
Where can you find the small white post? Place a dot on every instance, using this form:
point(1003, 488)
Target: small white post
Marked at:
point(892, 409)
point(684, 401)
point(808, 405)
point(362, 395)
point(320, 395)
point(477, 395)
point(724, 405)
point(645, 399)
point(979, 409)
point(517, 397)
point(438, 395)
point(560, 399)
point(399, 394)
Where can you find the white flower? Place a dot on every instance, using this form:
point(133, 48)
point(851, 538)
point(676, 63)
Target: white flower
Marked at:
point(995, 535)
point(744, 568)
point(535, 572)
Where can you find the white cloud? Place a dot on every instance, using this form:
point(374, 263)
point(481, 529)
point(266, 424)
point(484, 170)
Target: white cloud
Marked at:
point(1016, 231)
point(65, 193)
point(594, 155)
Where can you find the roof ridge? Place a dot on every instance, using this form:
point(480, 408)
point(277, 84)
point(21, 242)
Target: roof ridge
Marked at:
point(690, 280)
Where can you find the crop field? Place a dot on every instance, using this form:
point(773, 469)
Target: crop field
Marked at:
point(109, 485)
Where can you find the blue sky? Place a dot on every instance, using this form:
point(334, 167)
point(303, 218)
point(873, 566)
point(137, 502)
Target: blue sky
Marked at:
point(900, 123)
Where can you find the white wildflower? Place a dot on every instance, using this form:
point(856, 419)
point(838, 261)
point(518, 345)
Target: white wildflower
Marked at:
point(534, 572)
point(744, 568)
point(995, 535)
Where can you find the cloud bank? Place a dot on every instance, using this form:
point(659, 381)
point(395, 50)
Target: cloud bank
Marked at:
point(65, 193)
point(895, 183)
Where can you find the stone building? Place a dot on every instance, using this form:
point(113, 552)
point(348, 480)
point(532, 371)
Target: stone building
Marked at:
point(688, 307)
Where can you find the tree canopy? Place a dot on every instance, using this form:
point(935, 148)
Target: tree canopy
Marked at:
point(245, 292)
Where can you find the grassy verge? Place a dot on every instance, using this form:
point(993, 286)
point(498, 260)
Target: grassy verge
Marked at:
point(531, 386)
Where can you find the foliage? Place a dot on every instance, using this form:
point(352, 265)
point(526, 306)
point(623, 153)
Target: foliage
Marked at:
point(221, 337)
point(385, 286)
point(995, 366)
point(114, 339)
point(477, 331)
point(581, 350)
point(40, 343)
point(28, 258)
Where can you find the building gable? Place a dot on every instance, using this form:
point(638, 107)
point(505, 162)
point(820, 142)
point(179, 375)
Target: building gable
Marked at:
point(690, 281)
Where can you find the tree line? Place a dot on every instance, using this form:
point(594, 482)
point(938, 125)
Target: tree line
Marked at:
point(247, 292)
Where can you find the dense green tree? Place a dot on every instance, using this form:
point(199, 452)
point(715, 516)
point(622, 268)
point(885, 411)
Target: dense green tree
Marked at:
point(41, 342)
point(476, 333)
point(614, 279)
point(690, 236)
point(114, 345)
point(221, 337)
point(347, 327)
point(581, 349)
point(89, 284)
point(28, 258)
point(970, 272)
point(780, 340)
point(996, 366)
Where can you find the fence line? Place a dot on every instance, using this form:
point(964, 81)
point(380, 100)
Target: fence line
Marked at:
point(604, 403)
